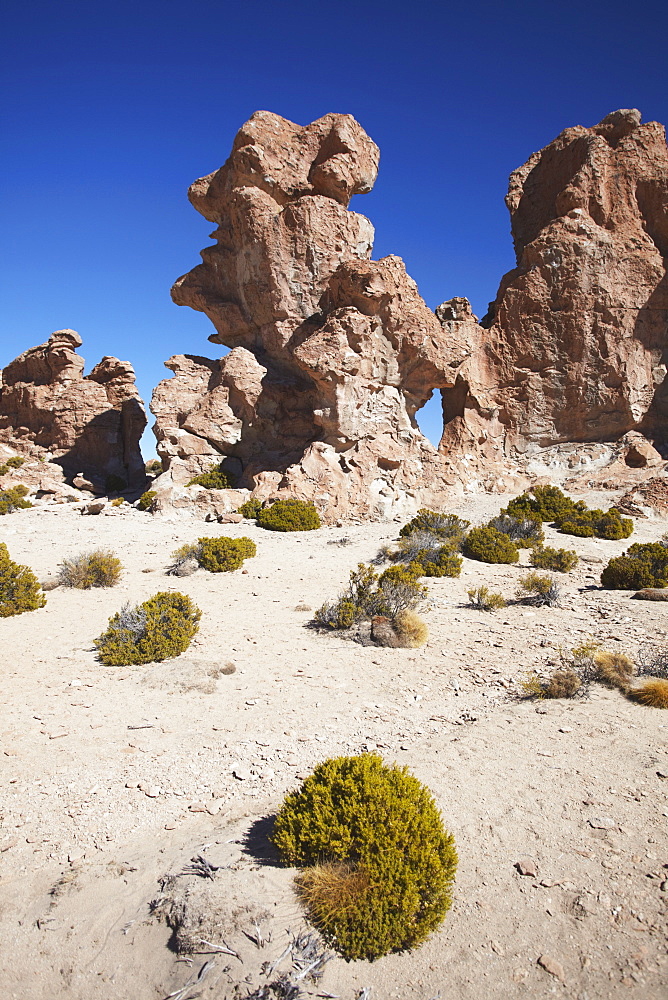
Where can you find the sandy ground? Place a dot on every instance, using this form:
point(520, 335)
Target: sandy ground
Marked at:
point(113, 778)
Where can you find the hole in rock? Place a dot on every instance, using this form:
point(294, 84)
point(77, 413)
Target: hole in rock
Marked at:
point(429, 418)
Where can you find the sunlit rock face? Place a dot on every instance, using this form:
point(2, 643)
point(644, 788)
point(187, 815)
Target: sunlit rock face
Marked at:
point(332, 353)
point(88, 424)
point(575, 345)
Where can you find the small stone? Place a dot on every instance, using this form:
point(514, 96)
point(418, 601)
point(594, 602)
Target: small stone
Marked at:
point(602, 823)
point(565, 729)
point(527, 866)
point(152, 791)
point(170, 826)
point(197, 807)
point(552, 966)
point(242, 773)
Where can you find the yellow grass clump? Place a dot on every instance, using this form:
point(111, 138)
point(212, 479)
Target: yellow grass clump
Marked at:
point(332, 889)
point(613, 669)
point(410, 629)
point(652, 692)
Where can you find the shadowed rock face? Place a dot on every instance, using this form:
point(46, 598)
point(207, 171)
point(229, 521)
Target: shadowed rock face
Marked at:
point(576, 343)
point(332, 354)
point(90, 424)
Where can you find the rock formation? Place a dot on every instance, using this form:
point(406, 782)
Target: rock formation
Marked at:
point(331, 353)
point(86, 424)
point(575, 346)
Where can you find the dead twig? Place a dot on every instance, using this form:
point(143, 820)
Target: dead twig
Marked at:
point(201, 975)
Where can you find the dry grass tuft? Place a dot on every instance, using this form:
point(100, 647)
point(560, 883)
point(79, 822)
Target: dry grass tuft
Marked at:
point(410, 629)
point(613, 669)
point(93, 569)
point(652, 692)
point(564, 683)
point(332, 889)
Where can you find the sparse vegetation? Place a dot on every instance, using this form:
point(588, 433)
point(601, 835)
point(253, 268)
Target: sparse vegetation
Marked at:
point(445, 526)
point(15, 462)
point(490, 546)
point(652, 691)
point(154, 467)
point(557, 560)
point(613, 669)
point(378, 864)
point(15, 499)
point(546, 503)
point(19, 587)
point(427, 550)
point(642, 565)
point(289, 515)
point(118, 502)
point(146, 500)
point(397, 589)
point(483, 599)
point(595, 524)
point(411, 631)
point(251, 508)
point(538, 589)
point(93, 569)
point(524, 532)
point(653, 661)
point(214, 479)
point(158, 629)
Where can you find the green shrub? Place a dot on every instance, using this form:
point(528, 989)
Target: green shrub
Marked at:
point(4, 469)
point(146, 500)
point(289, 515)
point(250, 509)
point(558, 560)
point(399, 588)
point(427, 550)
point(393, 862)
point(642, 565)
point(214, 479)
point(118, 502)
point(19, 588)
point(224, 555)
point(490, 546)
point(94, 569)
point(538, 589)
point(396, 590)
point(595, 523)
point(160, 628)
point(524, 532)
point(444, 562)
point(545, 502)
point(15, 462)
point(485, 599)
point(154, 467)
point(14, 499)
point(444, 526)
point(114, 484)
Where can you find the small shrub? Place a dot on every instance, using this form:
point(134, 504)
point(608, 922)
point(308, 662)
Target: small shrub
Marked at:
point(484, 599)
point(154, 467)
point(146, 500)
point(525, 532)
point(444, 563)
point(289, 515)
point(613, 669)
point(224, 555)
point(411, 630)
point(563, 683)
point(19, 587)
point(427, 550)
point(399, 589)
point(15, 462)
point(444, 526)
point(368, 595)
point(214, 479)
point(251, 509)
point(14, 499)
point(94, 569)
point(114, 484)
point(159, 629)
point(653, 661)
point(118, 502)
point(595, 524)
point(545, 502)
point(182, 555)
point(652, 692)
point(557, 560)
point(538, 589)
point(389, 864)
point(340, 614)
point(4, 469)
point(490, 546)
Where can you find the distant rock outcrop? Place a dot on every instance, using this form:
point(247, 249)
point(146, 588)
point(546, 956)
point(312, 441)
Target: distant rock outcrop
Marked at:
point(89, 425)
point(332, 353)
point(574, 348)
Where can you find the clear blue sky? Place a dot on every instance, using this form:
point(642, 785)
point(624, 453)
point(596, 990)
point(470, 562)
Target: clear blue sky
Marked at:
point(112, 109)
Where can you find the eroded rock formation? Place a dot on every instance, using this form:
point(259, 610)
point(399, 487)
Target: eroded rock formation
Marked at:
point(87, 424)
point(574, 348)
point(332, 353)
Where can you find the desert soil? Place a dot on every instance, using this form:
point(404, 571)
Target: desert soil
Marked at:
point(114, 778)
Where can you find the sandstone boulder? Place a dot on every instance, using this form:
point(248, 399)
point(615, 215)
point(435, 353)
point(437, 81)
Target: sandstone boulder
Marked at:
point(90, 425)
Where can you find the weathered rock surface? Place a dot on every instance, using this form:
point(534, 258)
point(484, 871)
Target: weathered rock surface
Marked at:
point(574, 348)
point(86, 424)
point(331, 353)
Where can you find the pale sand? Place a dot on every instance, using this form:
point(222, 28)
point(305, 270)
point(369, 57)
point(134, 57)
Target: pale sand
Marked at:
point(520, 781)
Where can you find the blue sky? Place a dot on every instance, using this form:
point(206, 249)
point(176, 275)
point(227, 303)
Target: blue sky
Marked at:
point(112, 109)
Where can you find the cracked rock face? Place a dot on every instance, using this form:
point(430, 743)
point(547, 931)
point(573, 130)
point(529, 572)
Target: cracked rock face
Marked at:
point(90, 424)
point(331, 353)
point(575, 346)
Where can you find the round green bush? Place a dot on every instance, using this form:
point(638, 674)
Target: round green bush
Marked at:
point(445, 562)
point(558, 560)
point(444, 525)
point(289, 515)
point(524, 532)
point(145, 501)
point(595, 523)
point(224, 555)
point(490, 546)
point(214, 479)
point(14, 499)
point(544, 502)
point(19, 588)
point(250, 509)
point(160, 628)
point(384, 824)
point(643, 565)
